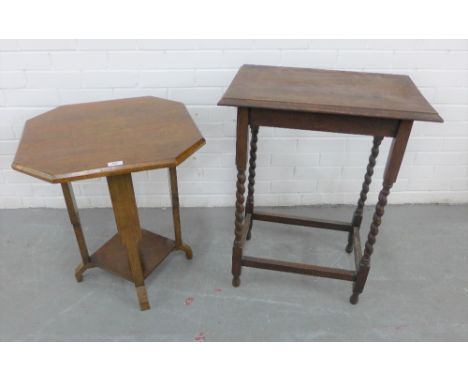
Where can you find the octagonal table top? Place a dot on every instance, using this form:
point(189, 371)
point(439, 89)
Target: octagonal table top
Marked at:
point(106, 138)
point(329, 91)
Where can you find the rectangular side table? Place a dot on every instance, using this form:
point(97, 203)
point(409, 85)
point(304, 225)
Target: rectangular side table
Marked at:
point(112, 139)
point(378, 105)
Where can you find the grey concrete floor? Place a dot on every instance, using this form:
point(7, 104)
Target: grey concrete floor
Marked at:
point(417, 289)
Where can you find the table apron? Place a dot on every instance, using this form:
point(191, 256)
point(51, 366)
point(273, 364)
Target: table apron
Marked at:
point(335, 123)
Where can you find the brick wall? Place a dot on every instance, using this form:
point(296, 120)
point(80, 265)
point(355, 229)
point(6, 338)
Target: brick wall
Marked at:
point(293, 167)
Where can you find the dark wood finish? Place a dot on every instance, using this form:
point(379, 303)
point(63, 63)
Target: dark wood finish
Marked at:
point(128, 226)
point(241, 163)
point(72, 209)
point(324, 122)
point(249, 207)
point(84, 141)
point(328, 91)
point(306, 222)
point(357, 247)
point(357, 216)
point(113, 139)
point(305, 269)
point(179, 244)
point(377, 105)
point(246, 229)
point(392, 168)
point(397, 151)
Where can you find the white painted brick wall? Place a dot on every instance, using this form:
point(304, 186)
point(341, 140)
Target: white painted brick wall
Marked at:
point(293, 167)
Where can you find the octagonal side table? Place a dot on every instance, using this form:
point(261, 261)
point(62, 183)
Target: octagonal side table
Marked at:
point(114, 139)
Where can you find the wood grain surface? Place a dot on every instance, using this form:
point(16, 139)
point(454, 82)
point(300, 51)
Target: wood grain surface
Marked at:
point(106, 138)
point(328, 91)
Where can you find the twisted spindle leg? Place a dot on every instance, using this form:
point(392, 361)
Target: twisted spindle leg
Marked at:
point(395, 157)
point(241, 164)
point(357, 217)
point(364, 265)
point(252, 165)
point(239, 222)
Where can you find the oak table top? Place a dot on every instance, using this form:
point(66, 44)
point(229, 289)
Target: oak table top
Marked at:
point(328, 91)
point(106, 138)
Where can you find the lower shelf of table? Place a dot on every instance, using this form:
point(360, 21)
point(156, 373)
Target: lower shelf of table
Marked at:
point(112, 256)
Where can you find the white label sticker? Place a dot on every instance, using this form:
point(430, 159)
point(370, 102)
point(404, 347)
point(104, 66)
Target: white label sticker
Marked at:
point(116, 163)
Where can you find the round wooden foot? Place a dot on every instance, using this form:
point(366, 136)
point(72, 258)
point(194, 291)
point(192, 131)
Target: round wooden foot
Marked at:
point(349, 248)
point(354, 298)
point(79, 277)
point(235, 282)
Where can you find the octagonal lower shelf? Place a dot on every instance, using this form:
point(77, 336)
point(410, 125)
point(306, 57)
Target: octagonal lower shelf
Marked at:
point(112, 256)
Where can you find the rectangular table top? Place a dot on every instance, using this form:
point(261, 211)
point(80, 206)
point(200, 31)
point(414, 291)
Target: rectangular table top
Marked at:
point(328, 91)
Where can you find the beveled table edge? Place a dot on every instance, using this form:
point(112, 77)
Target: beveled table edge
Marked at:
point(108, 171)
point(325, 109)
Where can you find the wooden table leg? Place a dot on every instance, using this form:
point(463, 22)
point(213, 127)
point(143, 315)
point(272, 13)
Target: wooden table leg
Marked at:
point(241, 164)
point(357, 217)
point(72, 209)
point(395, 157)
point(179, 244)
point(128, 226)
point(249, 207)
